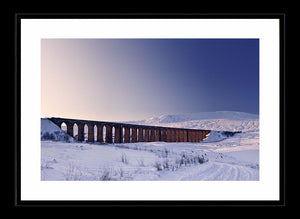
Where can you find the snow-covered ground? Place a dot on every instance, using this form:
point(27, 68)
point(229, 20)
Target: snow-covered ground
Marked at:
point(217, 158)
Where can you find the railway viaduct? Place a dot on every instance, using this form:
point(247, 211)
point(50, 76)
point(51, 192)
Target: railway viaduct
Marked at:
point(128, 133)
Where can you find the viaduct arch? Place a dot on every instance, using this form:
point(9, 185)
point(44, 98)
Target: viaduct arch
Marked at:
point(128, 133)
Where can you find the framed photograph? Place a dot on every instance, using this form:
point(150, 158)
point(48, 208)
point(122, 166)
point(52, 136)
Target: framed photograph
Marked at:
point(148, 109)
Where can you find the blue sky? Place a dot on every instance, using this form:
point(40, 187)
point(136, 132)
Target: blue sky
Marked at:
point(131, 79)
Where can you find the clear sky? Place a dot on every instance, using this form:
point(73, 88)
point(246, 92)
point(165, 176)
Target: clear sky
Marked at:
point(132, 79)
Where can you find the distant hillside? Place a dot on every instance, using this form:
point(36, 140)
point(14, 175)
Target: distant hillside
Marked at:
point(219, 121)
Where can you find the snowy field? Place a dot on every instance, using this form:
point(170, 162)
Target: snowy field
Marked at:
point(216, 158)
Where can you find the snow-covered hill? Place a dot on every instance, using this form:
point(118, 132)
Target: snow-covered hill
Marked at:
point(230, 115)
point(218, 121)
point(50, 131)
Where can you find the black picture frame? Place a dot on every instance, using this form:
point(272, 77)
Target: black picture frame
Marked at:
point(170, 203)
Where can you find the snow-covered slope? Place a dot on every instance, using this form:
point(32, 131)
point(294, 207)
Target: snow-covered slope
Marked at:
point(50, 131)
point(218, 121)
point(232, 115)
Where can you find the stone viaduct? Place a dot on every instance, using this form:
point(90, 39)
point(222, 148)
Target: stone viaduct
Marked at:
point(128, 133)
